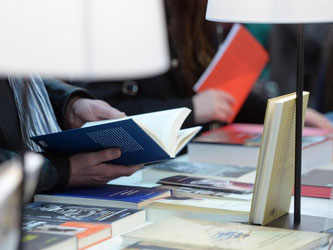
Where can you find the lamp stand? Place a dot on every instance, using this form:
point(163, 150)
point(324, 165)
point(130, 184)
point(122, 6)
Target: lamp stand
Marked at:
point(299, 122)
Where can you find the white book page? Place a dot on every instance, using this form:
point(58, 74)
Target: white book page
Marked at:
point(184, 135)
point(164, 125)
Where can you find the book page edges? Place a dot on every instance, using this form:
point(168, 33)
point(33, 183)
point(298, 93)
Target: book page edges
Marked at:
point(283, 100)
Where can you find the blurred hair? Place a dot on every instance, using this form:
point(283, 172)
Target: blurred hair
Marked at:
point(191, 37)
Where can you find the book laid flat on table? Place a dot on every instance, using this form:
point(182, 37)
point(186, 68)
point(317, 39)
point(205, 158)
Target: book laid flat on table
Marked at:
point(141, 138)
point(155, 172)
point(154, 246)
point(200, 208)
point(87, 234)
point(236, 67)
point(205, 193)
point(275, 172)
point(43, 241)
point(318, 183)
point(200, 234)
point(107, 196)
point(208, 184)
point(120, 219)
point(241, 147)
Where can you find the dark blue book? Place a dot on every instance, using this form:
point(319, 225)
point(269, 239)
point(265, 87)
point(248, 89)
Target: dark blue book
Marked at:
point(144, 138)
point(107, 196)
point(120, 219)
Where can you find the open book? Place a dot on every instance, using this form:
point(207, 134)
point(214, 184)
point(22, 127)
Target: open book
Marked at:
point(144, 138)
point(275, 171)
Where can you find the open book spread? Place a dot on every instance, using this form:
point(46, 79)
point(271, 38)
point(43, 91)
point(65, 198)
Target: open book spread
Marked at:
point(275, 171)
point(141, 138)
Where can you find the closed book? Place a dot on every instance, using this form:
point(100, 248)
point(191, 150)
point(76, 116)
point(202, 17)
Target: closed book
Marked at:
point(120, 219)
point(87, 234)
point(43, 241)
point(107, 195)
point(236, 67)
point(206, 193)
point(203, 208)
point(201, 234)
point(144, 138)
point(318, 183)
point(241, 148)
point(155, 172)
point(276, 165)
point(154, 246)
point(208, 184)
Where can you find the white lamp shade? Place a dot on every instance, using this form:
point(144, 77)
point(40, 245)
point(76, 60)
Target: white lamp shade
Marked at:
point(99, 39)
point(270, 11)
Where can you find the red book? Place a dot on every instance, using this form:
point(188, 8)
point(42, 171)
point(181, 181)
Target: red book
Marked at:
point(239, 144)
point(236, 66)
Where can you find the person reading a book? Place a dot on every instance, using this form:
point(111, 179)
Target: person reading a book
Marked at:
point(34, 106)
point(193, 43)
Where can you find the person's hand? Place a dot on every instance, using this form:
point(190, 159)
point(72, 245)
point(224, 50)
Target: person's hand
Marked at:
point(315, 119)
point(91, 169)
point(212, 105)
point(82, 110)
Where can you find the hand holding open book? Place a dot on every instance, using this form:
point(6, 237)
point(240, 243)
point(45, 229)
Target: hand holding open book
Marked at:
point(141, 138)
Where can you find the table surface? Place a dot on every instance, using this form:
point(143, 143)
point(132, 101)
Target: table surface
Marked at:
point(317, 214)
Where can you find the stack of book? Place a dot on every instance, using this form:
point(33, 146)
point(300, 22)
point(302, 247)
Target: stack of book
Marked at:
point(88, 215)
point(88, 225)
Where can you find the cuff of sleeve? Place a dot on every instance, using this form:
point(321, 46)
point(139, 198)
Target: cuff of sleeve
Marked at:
point(62, 166)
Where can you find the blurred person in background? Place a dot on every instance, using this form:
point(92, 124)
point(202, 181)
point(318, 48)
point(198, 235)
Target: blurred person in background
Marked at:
point(193, 43)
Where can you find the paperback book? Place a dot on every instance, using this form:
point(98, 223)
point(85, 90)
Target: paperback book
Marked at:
point(144, 138)
point(203, 208)
point(120, 219)
point(236, 67)
point(241, 147)
point(318, 183)
point(108, 196)
point(275, 172)
point(208, 184)
point(205, 193)
point(87, 234)
point(201, 234)
point(155, 172)
point(43, 241)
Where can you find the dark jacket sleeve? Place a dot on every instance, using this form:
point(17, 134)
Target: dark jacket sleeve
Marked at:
point(60, 93)
point(56, 170)
point(50, 179)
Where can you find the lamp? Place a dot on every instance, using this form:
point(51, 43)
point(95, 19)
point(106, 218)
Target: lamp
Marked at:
point(279, 11)
point(80, 39)
point(96, 39)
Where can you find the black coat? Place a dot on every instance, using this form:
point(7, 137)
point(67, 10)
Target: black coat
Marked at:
point(164, 92)
point(55, 171)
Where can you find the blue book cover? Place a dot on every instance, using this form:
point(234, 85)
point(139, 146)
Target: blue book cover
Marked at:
point(107, 195)
point(135, 144)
